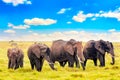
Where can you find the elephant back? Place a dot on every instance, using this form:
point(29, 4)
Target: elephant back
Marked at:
point(90, 44)
point(57, 47)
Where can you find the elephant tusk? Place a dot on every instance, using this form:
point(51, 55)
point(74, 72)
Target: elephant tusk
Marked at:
point(112, 56)
point(81, 61)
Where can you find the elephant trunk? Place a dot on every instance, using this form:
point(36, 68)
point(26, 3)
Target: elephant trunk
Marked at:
point(113, 57)
point(51, 64)
point(80, 55)
point(12, 65)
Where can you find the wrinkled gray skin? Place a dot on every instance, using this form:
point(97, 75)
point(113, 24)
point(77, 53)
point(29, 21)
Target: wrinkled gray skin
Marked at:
point(15, 56)
point(36, 54)
point(96, 50)
point(63, 51)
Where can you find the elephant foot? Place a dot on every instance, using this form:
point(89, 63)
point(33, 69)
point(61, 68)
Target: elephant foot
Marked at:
point(101, 65)
point(55, 69)
point(83, 66)
point(78, 66)
point(39, 70)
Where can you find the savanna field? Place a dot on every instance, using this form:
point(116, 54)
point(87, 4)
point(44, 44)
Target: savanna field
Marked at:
point(109, 72)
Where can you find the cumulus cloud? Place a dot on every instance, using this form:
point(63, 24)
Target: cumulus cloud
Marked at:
point(69, 22)
point(112, 30)
point(35, 34)
point(10, 31)
point(81, 17)
point(111, 14)
point(17, 2)
point(63, 10)
point(66, 35)
point(39, 21)
point(93, 19)
point(18, 26)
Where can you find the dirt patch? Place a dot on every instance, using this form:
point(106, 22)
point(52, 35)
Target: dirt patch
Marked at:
point(77, 75)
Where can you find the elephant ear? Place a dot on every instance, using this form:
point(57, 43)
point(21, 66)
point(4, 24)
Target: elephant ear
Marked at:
point(100, 46)
point(9, 52)
point(45, 49)
point(111, 45)
point(69, 48)
point(36, 50)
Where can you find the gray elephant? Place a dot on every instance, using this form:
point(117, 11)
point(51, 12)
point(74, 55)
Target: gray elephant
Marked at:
point(37, 53)
point(96, 50)
point(15, 56)
point(63, 51)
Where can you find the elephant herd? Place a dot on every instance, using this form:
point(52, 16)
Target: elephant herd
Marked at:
point(71, 51)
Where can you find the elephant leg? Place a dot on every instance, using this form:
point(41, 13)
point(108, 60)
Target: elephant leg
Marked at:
point(85, 62)
point(32, 62)
point(37, 64)
point(16, 64)
point(62, 63)
point(95, 61)
point(83, 66)
point(21, 63)
point(77, 62)
point(9, 62)
point(70, 61)
point(102, 60)
point(41, 63)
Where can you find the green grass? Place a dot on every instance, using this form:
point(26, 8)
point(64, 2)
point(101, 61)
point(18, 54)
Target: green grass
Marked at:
point(109, 72)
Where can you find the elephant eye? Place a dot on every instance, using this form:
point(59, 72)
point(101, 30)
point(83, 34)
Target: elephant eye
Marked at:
point(98, 46)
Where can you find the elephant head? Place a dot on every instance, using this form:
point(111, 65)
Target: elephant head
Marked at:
point(105, 46)
point(79, 50)
point(110, 49)
point(75, 48)
point(13, 57)
point(99, 45)
point(45, 53)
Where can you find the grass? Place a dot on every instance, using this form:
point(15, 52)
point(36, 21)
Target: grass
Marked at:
point(110, 72)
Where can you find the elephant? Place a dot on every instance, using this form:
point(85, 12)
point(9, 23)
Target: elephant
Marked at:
point(96, 50)
point(37, 53)
point(15, 58)
point(63, 51)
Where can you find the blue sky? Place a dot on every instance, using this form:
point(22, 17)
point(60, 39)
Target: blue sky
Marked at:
point(47, 20)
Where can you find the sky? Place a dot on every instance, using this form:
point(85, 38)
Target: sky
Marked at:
point(48, 20)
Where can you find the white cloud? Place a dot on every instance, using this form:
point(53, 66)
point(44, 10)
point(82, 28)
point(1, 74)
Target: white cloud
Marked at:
point(17, 2)
point(112, 30)
point(63, 10)
point(69, 22)
point(35, 34)
point(80, 17)
point(18, 26)
point(93, 19)
point(28, 2)
point(111, 14)
point(30, 31)
point(77, 35)
point(10, 31)
point(39, 21)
